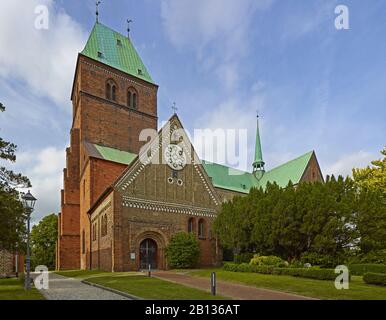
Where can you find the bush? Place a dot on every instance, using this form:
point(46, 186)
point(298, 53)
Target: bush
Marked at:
point(312, 273)
point(243, 257)
point(183, 251)
point(322, 260)
point(258, 260)
point(361, 269)
point(374, 257)
point(375, 278)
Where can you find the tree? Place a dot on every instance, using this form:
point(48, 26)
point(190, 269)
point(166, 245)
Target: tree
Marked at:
point(43, 242)
point(374, 177)
point(9, 179)
point(371, 214)
point(12, 217)
point(320, 222)
point(183, 250)
point(12, 220)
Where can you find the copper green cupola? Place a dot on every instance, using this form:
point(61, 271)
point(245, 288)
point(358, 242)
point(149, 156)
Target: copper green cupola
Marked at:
point(258, 163)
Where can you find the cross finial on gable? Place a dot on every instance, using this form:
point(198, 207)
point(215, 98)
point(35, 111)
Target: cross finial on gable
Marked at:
point(97, 3)
point(174, 108)
point(128, 27)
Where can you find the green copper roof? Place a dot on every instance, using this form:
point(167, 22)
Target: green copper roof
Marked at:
point(258, 161)
point(290, 171)
point(115, 155)
point(117, 51)
point(229, 178)
point(223, 176)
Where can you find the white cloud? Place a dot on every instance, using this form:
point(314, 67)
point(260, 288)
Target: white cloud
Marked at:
point(44, 168)
point(200, 22)
point(43, 59)
point(217, 30)
point(236, 114)
point(344, 165)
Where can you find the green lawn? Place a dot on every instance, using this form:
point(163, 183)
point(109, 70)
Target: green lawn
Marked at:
point(320, 289)
point(141, 286)
point(12, 289)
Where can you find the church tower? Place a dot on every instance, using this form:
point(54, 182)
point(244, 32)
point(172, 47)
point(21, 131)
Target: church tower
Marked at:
point(114, 98)
point(258, 164)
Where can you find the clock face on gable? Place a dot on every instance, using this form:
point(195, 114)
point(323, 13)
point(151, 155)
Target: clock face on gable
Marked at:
point(175, 157)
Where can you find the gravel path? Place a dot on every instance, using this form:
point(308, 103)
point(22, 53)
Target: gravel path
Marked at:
point(64, 288)
point(228, 289)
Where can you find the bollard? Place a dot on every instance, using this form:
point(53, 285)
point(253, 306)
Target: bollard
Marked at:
point(213, 283)
point(149, 273)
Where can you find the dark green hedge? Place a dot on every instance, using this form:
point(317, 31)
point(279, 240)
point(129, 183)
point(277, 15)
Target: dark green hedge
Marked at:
point(361, 269)
point(243, 257)
point(375, 278)
point(312, 273)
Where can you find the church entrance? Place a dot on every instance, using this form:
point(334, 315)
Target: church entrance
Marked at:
point(148, 254)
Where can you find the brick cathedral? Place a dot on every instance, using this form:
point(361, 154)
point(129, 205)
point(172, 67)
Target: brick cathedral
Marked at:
point(124, 198)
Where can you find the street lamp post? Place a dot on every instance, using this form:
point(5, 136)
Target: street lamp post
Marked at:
point(28, 204)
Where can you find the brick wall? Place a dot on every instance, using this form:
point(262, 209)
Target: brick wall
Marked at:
point(97, 176)
point(110, 123)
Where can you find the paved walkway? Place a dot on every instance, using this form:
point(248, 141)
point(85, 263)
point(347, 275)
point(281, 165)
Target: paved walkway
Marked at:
point(64, 288)
point(228, 289)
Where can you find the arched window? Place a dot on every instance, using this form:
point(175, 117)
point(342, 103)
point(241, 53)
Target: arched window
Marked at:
point(134, 105)
point(190, 225)
point(104, 225)
point(108, 91)
point(111, 90)
point(201, 228)
point(132, 98)
point(129, 97)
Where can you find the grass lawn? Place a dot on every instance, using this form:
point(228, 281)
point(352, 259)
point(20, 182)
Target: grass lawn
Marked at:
point(321, 289)
point(141, 286)
point(12, 289)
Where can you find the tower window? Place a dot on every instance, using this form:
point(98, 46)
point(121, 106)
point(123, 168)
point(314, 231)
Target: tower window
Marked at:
point(132, 98)
point(111, 90)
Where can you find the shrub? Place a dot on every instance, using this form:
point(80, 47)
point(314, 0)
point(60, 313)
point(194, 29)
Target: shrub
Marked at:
point(360, 269)
point(243, 257)
point(322, 260)
point(374, 257)
point(258, 260)
point(312, 273)
point(375, 278)
point(183, 250)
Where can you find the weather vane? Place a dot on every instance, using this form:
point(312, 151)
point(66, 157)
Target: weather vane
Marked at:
point(128, 27)
point(174, 108)
point(97, 3)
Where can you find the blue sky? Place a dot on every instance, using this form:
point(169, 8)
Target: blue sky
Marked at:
point(315, 87)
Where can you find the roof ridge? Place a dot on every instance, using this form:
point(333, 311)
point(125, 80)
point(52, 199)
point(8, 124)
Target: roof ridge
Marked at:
point(290, 161)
